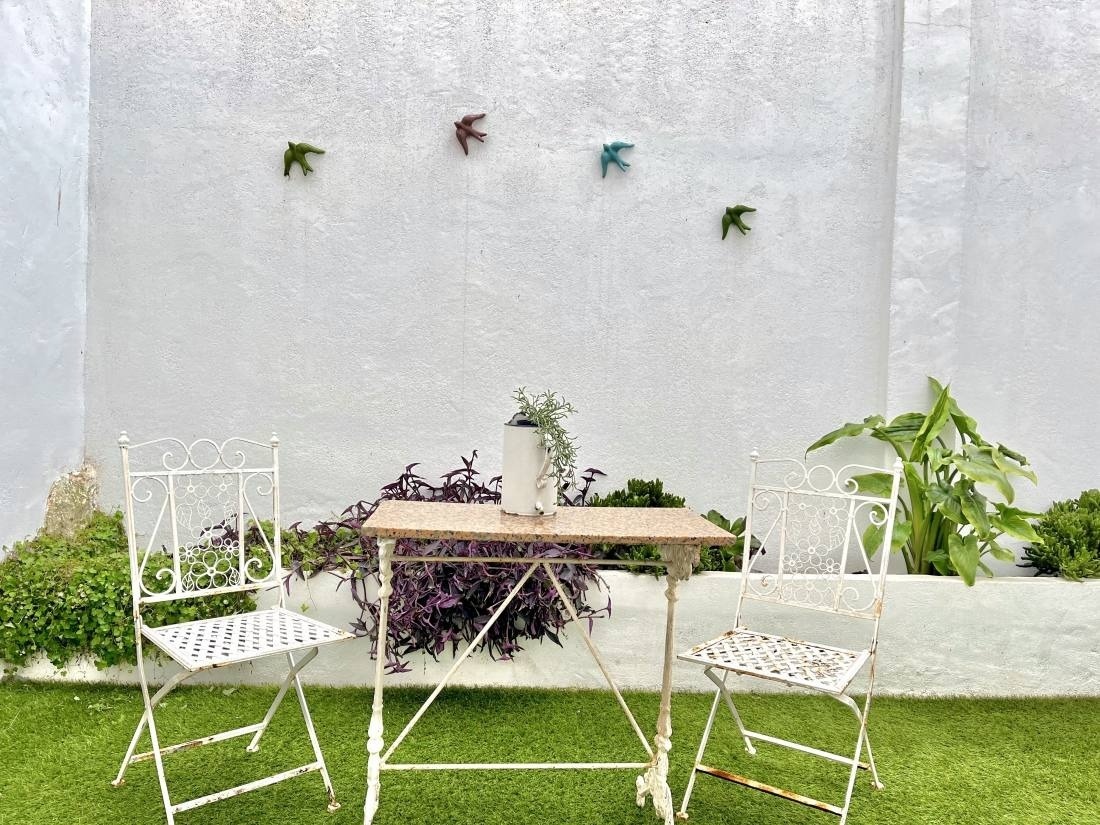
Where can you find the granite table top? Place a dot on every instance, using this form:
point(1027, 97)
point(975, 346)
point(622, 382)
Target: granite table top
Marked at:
point(569, 525)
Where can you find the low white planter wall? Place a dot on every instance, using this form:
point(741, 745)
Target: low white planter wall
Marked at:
point(1003, 637)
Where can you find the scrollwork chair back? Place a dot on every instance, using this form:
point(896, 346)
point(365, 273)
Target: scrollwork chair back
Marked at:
point(814, 524)
point(202, 518)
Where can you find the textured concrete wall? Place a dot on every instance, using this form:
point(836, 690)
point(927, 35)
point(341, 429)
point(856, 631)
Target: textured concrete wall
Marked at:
point(930, 215)
point(1004, 637)
point(44, 98)
point(382, 311)
point(1029, 341)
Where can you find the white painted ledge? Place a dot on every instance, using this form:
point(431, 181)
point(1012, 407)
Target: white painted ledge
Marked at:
point(1010, 636)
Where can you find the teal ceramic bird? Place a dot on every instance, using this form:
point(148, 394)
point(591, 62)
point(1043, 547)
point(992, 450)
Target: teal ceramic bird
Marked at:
point(297, 154)
point(733, 218)
point(610, 154)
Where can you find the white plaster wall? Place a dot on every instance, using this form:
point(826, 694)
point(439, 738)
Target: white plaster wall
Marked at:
point(382, 311)
point(44, 99)
point(930, 214)
point(1029, 341)
point(1004, 637)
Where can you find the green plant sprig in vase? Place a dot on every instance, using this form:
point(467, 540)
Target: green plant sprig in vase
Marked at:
point(547, 410)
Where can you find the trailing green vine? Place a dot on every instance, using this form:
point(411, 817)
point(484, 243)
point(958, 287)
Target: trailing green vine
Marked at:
point(547, 411)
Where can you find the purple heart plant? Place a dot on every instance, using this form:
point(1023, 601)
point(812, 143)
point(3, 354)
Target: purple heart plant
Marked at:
point(436, 606)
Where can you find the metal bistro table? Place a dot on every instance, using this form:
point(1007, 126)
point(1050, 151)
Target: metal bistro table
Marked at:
point(680, 534)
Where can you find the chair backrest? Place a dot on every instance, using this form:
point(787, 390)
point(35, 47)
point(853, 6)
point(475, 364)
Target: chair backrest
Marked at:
point(820, 534)
point(202, 519)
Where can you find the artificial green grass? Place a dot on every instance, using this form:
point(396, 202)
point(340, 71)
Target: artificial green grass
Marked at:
point(1015, 762)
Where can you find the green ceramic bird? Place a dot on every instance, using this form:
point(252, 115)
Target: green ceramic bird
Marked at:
point(733, 218)
point(297, 154)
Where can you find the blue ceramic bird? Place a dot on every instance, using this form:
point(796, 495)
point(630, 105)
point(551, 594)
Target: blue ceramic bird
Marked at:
point(610, 154)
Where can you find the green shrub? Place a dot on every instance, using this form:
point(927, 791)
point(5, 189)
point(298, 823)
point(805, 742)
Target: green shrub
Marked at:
point(639, 493)
point(1070, 531)
point(65, 597)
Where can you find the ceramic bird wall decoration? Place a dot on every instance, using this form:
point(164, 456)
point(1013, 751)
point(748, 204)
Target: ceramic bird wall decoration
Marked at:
point(296, 153)
point(610, 154)
point(732, 217)
point(464, 129)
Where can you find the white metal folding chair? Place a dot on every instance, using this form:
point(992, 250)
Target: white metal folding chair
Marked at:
point(192, 523)
point(813, 522)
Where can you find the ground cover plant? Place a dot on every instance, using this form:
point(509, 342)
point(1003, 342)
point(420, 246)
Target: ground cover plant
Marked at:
point(1070, 533)
point(946, 523)
point(66, 596)
point(944, 762)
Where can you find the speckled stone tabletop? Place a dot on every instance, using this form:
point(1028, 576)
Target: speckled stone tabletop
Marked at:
point(569, 525)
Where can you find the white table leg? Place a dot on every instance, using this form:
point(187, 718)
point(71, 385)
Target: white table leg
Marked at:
point(374, 732)
point(654, 782)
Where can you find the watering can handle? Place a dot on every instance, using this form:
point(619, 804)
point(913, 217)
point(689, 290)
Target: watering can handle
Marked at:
point(544, 472)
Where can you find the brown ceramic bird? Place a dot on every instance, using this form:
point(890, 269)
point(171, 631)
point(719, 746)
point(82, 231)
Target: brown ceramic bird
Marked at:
point(465, 129)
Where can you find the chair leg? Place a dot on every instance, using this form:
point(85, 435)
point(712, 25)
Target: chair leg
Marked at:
point(862, 740)
point(254, 745)
point(333, 805)
point(721, 684)
point(153, 737)
point(722, 693)
point(861, 717)
point(120, 780)
point(683, 812)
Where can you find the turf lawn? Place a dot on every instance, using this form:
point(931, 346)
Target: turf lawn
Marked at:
point(943, 761)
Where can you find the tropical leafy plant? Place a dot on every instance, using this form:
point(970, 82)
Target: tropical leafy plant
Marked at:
point(547, 411)
point(732, 558)
point(1070, 533)
point(947, 524)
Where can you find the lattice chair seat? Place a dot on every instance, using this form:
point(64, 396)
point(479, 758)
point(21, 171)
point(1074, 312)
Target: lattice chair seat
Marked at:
point(214, 642)
point(780, 659)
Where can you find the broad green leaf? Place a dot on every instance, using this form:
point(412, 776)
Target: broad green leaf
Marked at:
point(964, 556)
point(975, 507)
point(1015, 523)
point(945, 500)
point(875, 484)
point(937, 458)
point(933, 425)
point(902, 430)
point(913, 482)
point(1001, 553)
point(1003, 462)
point(963, 423)
point(872, 537)
point(941, 562)
point(847, 431)
point(1015, 456)
point(977, 464)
